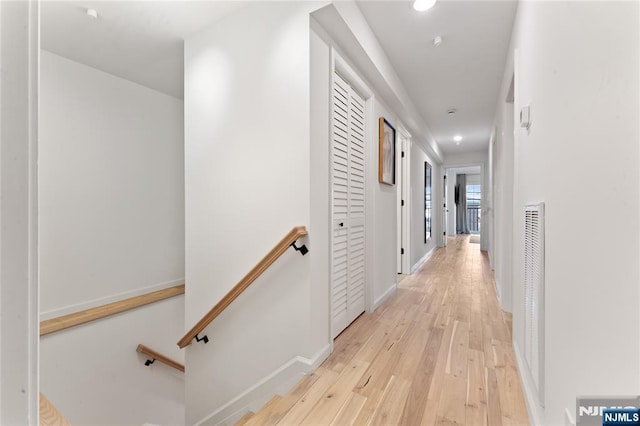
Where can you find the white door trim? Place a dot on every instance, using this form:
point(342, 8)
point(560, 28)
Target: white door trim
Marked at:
point(404, 193)
point(483, 203)
point(19, 336)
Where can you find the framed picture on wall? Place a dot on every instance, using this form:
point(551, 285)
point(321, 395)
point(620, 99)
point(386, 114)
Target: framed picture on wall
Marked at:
point(386, 153)
point(427, 201)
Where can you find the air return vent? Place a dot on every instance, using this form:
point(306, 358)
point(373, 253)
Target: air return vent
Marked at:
point(534, 294)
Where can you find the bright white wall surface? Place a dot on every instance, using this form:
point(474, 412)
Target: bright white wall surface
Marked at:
point(18, 213)
point(111, 186)
point(247, 131)
point(502, 156)
point(385, 217)
point(418, 246)
point(578, 66)
point(94, 376)
point(319, 230)
point(111, 225)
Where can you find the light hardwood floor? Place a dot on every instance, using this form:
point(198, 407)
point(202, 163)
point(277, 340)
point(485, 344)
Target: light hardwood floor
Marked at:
point(437, 353)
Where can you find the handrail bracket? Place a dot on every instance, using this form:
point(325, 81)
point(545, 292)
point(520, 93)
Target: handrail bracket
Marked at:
point(302, 249)
point(204, 338)
point(149, 362)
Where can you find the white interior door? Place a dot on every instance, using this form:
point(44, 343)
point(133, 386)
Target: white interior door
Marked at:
point(348, 205)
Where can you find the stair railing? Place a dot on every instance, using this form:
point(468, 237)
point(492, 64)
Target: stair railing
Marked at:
point(157, 356)
point(288, 241)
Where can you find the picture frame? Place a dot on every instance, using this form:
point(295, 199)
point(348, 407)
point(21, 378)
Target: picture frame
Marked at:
point(428, 177)
point(386, 152)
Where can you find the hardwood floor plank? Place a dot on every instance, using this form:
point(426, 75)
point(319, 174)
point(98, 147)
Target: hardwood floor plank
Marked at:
point(392, 404)
point(422, 381)
point(350, 342)
point(437, 352)
point(265, 412)
point(244, 419)
point(369, 407)
point(326, 378)
point(494, 410)
point(327, 407)
point(279, 410)
point(476, 412)
point(349, 410)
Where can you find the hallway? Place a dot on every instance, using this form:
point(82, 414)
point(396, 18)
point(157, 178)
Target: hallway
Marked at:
point(438, 352)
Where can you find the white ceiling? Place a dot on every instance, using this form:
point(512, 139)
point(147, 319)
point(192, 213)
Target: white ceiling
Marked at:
point(464, 72)
point(142, 41)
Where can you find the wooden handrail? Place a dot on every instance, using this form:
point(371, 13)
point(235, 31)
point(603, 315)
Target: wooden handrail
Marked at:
point(157, 356)
point(88, 315)
point(49, 415)
point(268, 260)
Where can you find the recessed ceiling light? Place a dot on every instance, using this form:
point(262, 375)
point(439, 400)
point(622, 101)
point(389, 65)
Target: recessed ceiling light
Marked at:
point(437, 41)
point(92, 13)
point(422, 5)
point(457, 138)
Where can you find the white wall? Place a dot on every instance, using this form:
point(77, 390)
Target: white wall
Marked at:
point(503, 203)
point(18, 213)
point(247, 122)
point(385, 212)
point(577, 64)
point(111, 186)
point(319, 229)
point(111, 225)
point(94, 376)
point(418, 247)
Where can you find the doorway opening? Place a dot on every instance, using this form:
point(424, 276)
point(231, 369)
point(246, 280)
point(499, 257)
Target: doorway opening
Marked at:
point(463, 201)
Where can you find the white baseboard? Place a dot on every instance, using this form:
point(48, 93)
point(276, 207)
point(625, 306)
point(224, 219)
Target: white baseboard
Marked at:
point(386, 295)
point(533, 408)
point(422, 260)
point(278, 382)
point(498, 292)
point(66, 310)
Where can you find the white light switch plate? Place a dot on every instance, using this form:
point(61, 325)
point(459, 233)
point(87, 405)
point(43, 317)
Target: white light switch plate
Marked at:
point(525, 117)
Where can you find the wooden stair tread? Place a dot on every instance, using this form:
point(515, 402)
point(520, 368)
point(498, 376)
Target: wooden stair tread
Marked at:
point(244, 419)
point(262, 415)
point(276, 409)
point(49, 415)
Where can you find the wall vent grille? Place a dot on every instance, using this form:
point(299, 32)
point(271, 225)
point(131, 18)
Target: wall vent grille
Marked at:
point(534, 275)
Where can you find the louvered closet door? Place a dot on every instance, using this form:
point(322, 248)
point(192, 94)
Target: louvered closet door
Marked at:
point(347, 193)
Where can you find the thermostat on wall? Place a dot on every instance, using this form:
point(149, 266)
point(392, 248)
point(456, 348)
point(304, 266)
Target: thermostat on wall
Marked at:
point(525, 117)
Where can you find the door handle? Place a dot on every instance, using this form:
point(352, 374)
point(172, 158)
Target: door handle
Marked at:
point(341, 224)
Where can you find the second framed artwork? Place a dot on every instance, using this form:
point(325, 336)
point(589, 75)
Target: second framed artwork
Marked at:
point(386, 153)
